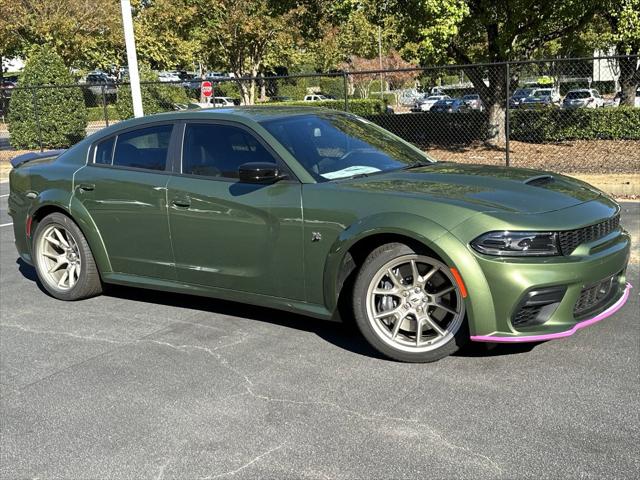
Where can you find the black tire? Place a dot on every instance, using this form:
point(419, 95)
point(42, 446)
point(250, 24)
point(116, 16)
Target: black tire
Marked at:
point(88, 283)
point(373, 263)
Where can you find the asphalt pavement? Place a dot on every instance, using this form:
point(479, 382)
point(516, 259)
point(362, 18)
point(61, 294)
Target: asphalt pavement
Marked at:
point(138, 384)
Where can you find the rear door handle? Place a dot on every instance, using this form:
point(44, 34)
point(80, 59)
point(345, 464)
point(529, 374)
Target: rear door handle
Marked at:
point(86, 187)
point(183, 202)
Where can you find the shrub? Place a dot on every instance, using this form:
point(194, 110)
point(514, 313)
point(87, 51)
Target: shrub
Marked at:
point(57, 114)
point(556, 125)
point(358, 106)
point(156, 97)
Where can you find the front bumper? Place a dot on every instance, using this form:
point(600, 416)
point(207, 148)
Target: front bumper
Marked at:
point(498, 338)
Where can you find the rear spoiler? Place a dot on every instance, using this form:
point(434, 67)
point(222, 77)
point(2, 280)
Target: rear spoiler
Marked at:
point(29, 157)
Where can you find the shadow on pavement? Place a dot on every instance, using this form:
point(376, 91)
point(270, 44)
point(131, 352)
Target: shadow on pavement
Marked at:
point(344, 335)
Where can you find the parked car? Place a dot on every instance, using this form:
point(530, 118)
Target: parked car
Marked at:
point(98, 82)
point(309, 210)
point(450, 105)
point(583, 98)
point(519, 95)
point(315, 98)
point(425, 103)
point(473, 101)
point(618, 97)
point(541, 98)
point(169, 77)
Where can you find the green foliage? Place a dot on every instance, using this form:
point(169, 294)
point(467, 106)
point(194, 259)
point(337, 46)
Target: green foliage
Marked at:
point(359, 106)
point(156, 97)
point(59, 112)
point(555, 125)
point(96, 114)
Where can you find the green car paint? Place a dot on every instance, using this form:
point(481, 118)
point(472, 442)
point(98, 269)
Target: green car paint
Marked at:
point(292, 244)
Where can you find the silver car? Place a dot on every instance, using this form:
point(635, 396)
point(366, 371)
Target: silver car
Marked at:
point(583, 98)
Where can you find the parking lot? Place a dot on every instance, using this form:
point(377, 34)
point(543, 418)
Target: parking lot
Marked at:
point(138, 384)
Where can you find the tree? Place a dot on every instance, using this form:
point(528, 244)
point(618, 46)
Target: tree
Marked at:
point(622, 18)
point(246, 32)
point(56, 115)
point(71, 28)
point(495, 31)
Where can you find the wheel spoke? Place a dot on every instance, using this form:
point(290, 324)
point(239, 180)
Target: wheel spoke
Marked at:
point(417, 281)
point(52, 256)
point(418, 332)
point(61, 238)
point(386, 313)
point(49, 238)
point(396, 326)
point(429, 274)
point(394, 279)
point(64, 277)
point(445, 308)
point(444, 291)
point(434, 325)
point(60, 260)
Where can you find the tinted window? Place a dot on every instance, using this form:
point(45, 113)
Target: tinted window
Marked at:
point(579, 94)
point(104, 152)
point(219, 150)
point(145, 148)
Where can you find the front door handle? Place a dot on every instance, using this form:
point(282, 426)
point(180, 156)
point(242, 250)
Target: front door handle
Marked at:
point(182, 202)
point(86, 187)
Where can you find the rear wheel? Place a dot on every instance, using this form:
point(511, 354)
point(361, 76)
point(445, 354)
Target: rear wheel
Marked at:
point(408, 305)
point(63, 260)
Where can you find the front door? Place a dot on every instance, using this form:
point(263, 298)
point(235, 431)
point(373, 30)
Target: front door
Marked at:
point(123, 187)
point(228, 234)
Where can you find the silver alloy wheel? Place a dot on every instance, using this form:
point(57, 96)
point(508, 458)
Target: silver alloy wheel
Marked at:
point(58, 258)
point(414, 304)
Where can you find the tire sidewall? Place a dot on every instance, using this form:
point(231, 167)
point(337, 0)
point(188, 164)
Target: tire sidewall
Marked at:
point(365, 276)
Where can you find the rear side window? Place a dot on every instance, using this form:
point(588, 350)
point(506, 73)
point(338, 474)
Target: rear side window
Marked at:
point(218, 150)
point(144, 148)
point(104, 152)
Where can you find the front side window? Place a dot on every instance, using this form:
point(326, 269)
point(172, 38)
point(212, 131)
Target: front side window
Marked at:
point(332, 146)
point(143, 148)
point(214, 150)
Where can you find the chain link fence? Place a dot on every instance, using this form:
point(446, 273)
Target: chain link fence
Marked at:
point(566, 115)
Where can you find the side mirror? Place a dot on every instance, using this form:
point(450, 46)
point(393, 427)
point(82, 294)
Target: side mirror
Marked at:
point(259, 172)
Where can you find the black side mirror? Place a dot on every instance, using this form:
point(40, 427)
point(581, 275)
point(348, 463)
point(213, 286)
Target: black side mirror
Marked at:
point(259, 172)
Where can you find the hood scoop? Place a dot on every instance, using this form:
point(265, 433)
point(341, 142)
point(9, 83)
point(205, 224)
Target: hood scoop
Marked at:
point(539, 180)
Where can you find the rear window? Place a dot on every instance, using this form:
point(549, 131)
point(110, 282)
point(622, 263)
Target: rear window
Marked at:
point(144, 148)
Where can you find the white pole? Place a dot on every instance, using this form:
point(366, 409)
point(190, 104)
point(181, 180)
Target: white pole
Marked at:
point(132, 58)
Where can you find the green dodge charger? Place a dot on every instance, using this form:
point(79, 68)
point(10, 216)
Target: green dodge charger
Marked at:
point(325, 214)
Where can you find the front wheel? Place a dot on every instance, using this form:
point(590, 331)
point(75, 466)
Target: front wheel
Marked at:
point(63, 259)
point(408, 306)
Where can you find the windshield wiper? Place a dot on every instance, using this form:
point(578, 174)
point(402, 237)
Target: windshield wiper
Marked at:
point(417, 165)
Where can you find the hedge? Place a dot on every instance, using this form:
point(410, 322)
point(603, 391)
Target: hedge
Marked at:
point(359, 106)
point(57, 118)
point(437, 128)
point(556, 125)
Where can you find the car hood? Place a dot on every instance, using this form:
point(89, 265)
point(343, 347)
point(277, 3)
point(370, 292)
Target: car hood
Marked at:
point(481, 187)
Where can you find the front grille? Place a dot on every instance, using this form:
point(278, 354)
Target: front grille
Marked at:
point(570, 239)
point(594, 296)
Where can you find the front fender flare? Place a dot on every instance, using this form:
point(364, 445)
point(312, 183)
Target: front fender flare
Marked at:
point(422, 230)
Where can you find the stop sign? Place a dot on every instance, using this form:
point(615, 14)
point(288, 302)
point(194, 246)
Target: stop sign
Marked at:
point(207, 89)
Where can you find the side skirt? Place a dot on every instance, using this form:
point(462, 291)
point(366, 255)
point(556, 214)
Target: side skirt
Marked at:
point(312, 310)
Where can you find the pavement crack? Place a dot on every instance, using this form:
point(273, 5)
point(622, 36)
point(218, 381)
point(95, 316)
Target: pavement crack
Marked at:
point(248, 464)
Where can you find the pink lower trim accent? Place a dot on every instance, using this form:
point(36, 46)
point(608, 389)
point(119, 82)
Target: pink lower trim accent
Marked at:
point(551, 336)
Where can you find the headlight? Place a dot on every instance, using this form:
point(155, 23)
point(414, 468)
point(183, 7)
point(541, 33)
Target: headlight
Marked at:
point(517, 244)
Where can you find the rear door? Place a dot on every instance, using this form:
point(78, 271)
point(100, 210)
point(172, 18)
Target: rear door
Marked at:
point(123, 187)
point(228, 234)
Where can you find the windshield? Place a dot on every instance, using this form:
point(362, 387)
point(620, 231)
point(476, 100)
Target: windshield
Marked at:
point(336, 145)
point(582, 94)
point(542, 93)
